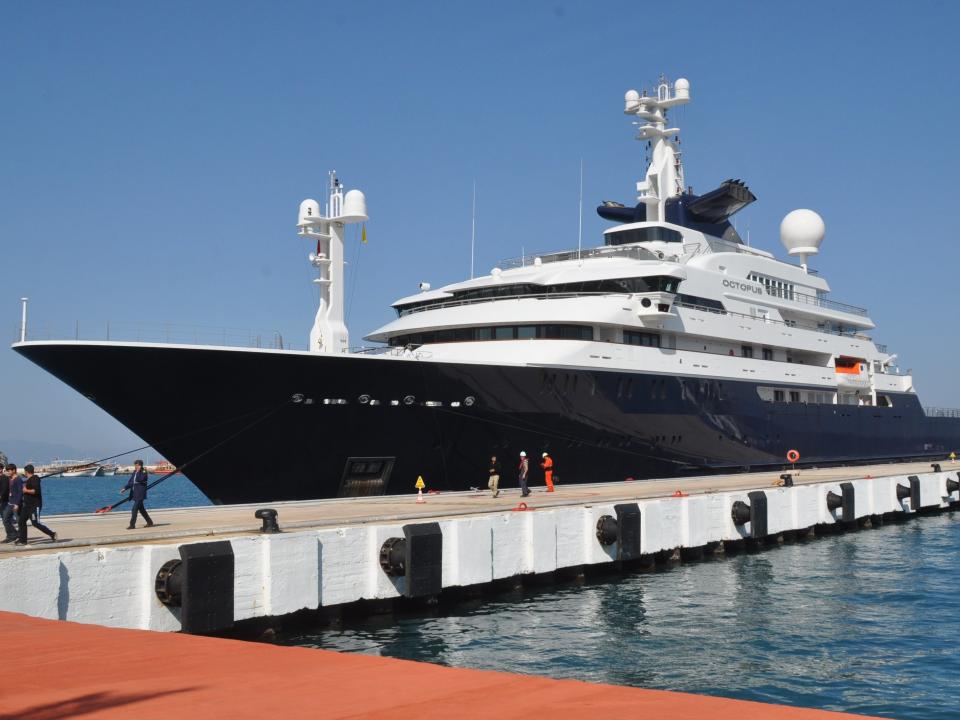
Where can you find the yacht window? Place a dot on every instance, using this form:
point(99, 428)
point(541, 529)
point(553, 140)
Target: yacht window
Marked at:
point(654, 233)
point(794, 396)
point(767, 354)
point(641, 338)
point(778, 396)
point(746, 351)
point(700, 303)
point(884, 401)
point(503, 332)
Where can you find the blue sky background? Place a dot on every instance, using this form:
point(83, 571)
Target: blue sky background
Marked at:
point(153, 155)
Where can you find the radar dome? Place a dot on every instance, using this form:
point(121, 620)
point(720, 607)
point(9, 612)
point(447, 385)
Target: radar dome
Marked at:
point(631, 101)
point(681, 88)
point(801, 232)
point(354, 207)
point(309, 212)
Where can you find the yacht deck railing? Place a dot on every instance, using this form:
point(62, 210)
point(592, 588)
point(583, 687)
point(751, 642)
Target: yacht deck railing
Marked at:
point(787, 294)
point(168, 334)
point(942, 412)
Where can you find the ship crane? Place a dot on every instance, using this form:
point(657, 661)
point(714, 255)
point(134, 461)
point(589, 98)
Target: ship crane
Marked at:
point(329, 333)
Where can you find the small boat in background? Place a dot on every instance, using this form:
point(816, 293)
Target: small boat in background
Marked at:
point(73, 468)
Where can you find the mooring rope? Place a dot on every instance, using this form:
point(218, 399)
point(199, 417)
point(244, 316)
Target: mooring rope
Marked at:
point(209, 450)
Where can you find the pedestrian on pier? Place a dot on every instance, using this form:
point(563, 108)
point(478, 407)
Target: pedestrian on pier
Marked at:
point(31, 506)
point(547, 465)
point(7, 510)
point(14, 501)
point(494, 482)
point(137, 485)
point(522, 473)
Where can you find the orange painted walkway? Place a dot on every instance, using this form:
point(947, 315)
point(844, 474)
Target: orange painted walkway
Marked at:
point(68, 670)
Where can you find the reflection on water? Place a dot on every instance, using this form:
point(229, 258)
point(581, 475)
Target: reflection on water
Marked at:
point(864, 622)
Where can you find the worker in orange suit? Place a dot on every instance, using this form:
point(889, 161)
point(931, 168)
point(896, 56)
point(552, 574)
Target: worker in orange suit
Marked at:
point(547, 465)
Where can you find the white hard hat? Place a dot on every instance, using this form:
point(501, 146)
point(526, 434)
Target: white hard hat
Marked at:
point(544, 454)
point(522, 454)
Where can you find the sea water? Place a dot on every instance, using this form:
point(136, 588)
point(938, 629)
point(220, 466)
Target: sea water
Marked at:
point(86, 494)
point(864, 622)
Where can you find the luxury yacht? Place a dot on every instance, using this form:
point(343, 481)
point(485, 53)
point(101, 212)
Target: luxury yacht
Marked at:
point(673, 348)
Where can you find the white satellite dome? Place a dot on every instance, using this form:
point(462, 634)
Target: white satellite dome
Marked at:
point(354, 207)
point(801, 232)
point(631, 101)
point(681, 88)
point(309, 212)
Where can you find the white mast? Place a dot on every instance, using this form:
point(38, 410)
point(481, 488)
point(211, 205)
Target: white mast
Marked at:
point(664, 177)
point(473, 226)
point(23, 320)
point(329, 332)
point(580, 212)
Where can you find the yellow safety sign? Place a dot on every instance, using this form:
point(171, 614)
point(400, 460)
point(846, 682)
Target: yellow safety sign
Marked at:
point(420, 483)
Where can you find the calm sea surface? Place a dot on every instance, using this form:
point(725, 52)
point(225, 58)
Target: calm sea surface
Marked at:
point(86, 494)
point(866, 622)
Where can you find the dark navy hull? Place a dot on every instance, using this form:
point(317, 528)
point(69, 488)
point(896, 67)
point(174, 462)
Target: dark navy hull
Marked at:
point(370, 425)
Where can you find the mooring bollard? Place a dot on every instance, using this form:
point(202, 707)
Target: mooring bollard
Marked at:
point(269, 518)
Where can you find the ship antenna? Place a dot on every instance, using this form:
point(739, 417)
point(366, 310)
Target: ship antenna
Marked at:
point(664, 177)
point(580, 211)
point(473, 226)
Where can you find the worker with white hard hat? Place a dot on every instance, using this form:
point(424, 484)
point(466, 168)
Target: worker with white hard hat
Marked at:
point(547, 464)
point(522, 471)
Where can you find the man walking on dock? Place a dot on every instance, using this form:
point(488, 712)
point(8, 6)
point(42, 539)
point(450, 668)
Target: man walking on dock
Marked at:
point(31, 505)
point(522, 473)
point(14, 500)
point(7, 510)
point(137, 485)
point(494, 482)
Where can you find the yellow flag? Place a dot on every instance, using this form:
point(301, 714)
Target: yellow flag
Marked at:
point(363, 234)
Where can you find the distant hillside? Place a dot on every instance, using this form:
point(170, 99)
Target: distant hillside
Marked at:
point(38, 451)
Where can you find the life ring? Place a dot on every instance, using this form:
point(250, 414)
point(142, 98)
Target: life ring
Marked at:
point(792, 456)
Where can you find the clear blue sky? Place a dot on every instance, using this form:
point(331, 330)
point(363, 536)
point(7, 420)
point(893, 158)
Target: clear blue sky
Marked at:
point(153, 155)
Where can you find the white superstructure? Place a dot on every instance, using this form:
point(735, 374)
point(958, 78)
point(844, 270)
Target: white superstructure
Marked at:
point(660, 297)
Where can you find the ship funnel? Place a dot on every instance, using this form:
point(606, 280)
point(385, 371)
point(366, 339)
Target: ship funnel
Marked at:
point(354, 207)
point(801, 233)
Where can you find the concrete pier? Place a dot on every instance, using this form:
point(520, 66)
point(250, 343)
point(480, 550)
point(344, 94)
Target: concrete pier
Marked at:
point(206, 569)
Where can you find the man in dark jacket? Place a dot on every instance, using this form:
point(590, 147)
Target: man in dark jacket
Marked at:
point(14, 500)
point(494, 482)
point(31, 505)
point(137, 485)
point(7, 512)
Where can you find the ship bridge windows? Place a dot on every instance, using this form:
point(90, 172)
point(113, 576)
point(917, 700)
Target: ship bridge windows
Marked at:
point(498, 332)
point(653, 233)
point(650, 283)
